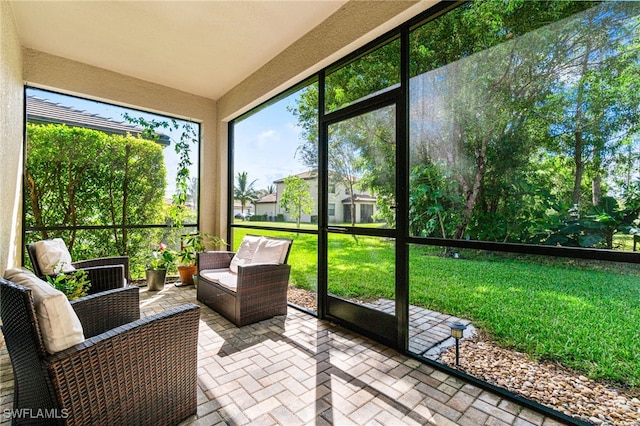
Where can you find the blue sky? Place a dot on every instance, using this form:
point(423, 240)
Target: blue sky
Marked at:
point(265, 143)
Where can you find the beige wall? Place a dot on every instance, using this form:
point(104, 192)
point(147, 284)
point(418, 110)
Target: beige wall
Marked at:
point(67, 76)
point(11, 140)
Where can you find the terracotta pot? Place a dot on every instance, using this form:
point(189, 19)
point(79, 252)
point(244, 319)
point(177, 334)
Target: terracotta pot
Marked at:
point(155, 279)
point(186, 274)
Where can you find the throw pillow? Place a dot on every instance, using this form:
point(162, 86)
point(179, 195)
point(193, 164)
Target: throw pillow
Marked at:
point(270, 251)
point(245, 252)
point(53, 256)
point(58, 322)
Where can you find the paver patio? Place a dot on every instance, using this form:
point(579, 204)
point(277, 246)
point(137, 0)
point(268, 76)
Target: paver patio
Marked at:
point(429, 331)
point(300, 370)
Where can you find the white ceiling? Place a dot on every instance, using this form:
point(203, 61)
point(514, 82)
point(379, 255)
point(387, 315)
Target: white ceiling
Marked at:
point(201, 47)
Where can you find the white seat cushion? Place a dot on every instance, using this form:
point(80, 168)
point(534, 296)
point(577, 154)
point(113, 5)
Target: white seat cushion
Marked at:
point(245, 252)
point(53, 256)
point(224, 277)
point(58, 322)
point(270, 251)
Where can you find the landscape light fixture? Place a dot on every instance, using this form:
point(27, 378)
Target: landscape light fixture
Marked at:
point(457, 331)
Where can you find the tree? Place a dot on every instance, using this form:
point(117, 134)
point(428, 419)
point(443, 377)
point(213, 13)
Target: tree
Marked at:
point(524, 117)
point(135, 187)
point(59, 183)
point(344, 156)
point(244, 190)
point(433, 202)
point(79, 177)
point(362, 149)
point(296, 198)
point(192, 193)
point(503, 89)
point(594, 103)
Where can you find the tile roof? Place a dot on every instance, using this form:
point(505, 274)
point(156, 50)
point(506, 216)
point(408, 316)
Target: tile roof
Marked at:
point(44, 111)
point(269, 198)
point(311, 174)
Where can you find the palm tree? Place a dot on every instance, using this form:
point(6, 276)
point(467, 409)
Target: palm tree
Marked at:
point(244, 191)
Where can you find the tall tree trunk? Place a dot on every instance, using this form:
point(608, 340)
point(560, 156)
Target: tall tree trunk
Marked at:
point(34, 197)
point(473, 194)
point(579, 168)
point(125, 198)
point(596, 183)
point(596, 190)
point(352, 203)
point(578, 137)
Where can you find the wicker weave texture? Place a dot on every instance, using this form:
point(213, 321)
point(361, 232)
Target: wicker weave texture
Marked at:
point(104, 273)
point(32, 387)
point(214, 260)
point(107, 310)
point(261, 290)
point(140, 372)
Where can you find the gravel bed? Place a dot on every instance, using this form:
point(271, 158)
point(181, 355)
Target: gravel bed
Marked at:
point(552, 385)
point(303, 298)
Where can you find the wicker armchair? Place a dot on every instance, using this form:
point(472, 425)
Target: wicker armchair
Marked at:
point(127, 371)
point(104, 273)
point(259, 291)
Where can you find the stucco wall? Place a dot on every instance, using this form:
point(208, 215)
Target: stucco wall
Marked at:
point(67, 76)
point(11, 140)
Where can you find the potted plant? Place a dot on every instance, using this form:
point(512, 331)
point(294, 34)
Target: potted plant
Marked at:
point(190, 246)
point(73, 284)
point(160, 261)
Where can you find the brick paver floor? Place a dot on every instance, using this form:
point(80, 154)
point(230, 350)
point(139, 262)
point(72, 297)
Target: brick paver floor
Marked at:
point(429, 331)
point(298, 370)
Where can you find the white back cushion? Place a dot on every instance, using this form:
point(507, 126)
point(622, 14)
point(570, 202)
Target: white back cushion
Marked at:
point(58, 322)
point(270, 251)
point(53, 256)
point(245, 252)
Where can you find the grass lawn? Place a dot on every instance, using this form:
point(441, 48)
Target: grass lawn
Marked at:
point(584, 315)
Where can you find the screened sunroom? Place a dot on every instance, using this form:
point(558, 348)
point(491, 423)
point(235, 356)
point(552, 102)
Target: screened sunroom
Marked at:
point(458, 182)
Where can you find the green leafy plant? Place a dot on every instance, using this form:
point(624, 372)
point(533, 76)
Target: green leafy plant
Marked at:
point(194, 243)
point(188, 137)
point(162, 258)
point(73, 284)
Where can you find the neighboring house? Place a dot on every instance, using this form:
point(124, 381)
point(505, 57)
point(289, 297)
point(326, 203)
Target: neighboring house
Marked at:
point(267, 206)
point(339, 203)
point(42, 111)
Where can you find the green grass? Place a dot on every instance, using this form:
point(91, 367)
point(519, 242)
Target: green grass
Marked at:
point(585, 315)
point(361, 268)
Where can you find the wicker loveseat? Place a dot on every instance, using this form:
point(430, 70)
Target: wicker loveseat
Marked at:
point(104, 273)
point(247, 286)
point(126, 371)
